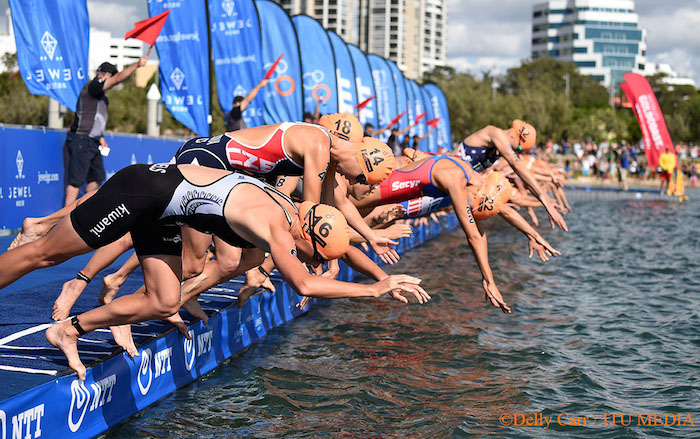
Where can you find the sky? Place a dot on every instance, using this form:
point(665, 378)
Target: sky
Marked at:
point(488, 35)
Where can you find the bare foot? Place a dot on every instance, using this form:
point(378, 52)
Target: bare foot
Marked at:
point(122, 336)
point(65, 337)
point(193, 307)
point(30, 232)
point(69, 294)
point(176, 321)
point(111, 284)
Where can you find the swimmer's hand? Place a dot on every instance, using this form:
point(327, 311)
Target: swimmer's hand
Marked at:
point(304, 301)
point(401, 283)
point(333, 269)
point(554, 216)
point(418, 292)
point(381, 247)
point(391, 213)
point(396, 231)
point(491, 294)
point(543, 249)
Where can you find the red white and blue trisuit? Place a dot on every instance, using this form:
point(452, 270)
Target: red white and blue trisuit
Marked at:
point(415, 191)
point(269, 159)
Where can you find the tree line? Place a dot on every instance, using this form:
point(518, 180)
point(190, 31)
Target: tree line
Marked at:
point(535, 91)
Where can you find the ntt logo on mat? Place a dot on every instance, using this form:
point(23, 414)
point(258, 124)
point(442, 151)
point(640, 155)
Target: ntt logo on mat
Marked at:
point(84, 399)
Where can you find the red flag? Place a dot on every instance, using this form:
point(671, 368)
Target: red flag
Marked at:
point(420, 116)
point(147, 30)
point(271, 71)
point(395, 120)
point(364, 103)
point(650, 118)
point(433, 122)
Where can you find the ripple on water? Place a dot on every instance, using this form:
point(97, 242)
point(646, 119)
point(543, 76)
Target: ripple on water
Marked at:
point(612, 326)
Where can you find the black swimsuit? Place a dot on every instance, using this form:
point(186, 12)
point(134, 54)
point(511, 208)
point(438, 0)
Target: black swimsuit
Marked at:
point(152, 201)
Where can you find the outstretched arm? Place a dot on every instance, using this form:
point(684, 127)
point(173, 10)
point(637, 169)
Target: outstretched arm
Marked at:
point(121, 76)
point(536, 241)
point(379, 244)
point(502, 143)
point(476, 238)
point(251, 94)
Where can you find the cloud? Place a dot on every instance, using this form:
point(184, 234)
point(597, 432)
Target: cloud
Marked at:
point(116, 17)
point(487, 34)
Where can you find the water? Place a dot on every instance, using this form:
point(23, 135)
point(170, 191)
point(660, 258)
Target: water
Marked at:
point(611, 326)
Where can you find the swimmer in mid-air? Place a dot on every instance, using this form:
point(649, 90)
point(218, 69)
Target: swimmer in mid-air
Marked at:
point(485, 146)
point(150, 202)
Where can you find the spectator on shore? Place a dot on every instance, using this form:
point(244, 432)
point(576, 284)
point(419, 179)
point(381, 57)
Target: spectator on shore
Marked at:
point(85, 143)
point(624, 164)
point(234, 119)
point(667, 163)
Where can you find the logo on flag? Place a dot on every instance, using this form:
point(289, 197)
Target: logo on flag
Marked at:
point(227, 6)
point(178, 77)
point(49, 43)
point(240, 91)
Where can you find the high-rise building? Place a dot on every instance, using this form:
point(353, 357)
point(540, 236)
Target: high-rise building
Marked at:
point(411, 33)
point(335, 15)
point(602, 37)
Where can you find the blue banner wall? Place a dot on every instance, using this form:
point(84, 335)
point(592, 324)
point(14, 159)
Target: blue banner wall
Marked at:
point(418, 108)
point(283, 95)
point(31, 179)
point(364, 84)
point(401, 97)
point(317, 65)
point(386, 92)
point(430, 144)
point(52, 47)
point(438, 103)
point(235, 43)
point(184, 70)
point(409, 105)
point(345, 74)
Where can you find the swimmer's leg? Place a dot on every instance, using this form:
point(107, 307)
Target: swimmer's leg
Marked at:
point(112, 282)
point(60, 244)
point(159, 300)
point(103, 258)
point(35, 228)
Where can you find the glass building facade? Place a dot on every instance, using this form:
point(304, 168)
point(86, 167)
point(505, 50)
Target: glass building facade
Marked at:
point(602, 37)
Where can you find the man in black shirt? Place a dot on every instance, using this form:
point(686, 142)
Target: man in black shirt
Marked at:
point(234, 120)
point(82, 159)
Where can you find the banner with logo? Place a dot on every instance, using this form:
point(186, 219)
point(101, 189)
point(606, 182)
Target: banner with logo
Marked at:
point(184, 68)
point(235, 44)
point(418, 108)
point(401, 97)
point(317, 64)
point(650, 118)
point(52, 47)
point(345, 74)
point(430, 143)
point(283, 95)
point(411, 112)
point(438, 103)
point(365, 85)
point(386, 92)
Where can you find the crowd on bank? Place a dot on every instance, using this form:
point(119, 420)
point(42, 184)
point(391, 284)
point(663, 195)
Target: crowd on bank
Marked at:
point(616, 161)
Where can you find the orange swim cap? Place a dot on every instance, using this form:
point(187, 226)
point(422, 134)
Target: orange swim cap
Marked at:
point(343, 125)
point(495, 192)
point(524, 133)
point(376, 160)
point(326, 229)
